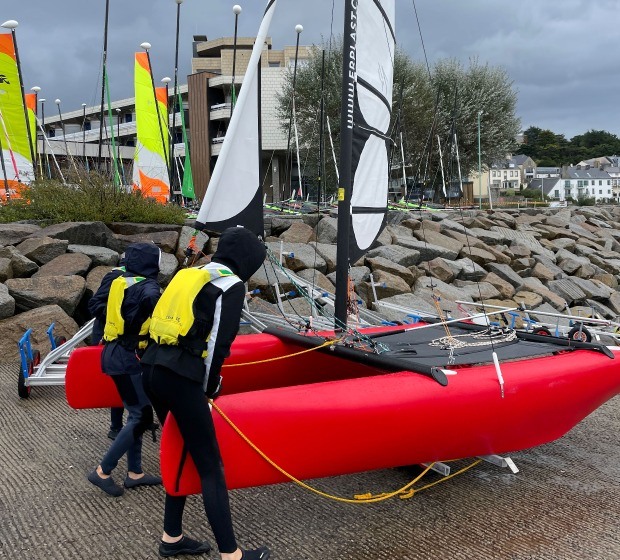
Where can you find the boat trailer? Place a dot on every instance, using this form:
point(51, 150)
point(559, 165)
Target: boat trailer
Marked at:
point(51, 370)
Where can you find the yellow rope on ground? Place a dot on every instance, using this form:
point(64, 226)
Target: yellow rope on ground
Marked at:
point(415, 490)
point(326, 343)
point(406, 490)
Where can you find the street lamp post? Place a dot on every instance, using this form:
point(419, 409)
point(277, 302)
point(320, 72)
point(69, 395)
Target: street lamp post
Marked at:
point(236, 11)
point(166, 81)
point(118, 123)
point(479, 162)
point(62, 125)
point(43, 154)
point(37, 162)
point(84, 135)
point(119, 163)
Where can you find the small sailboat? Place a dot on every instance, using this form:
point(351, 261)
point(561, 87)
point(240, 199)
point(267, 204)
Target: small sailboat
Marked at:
point(335, 402)
point(15, 124)
point(150, 171)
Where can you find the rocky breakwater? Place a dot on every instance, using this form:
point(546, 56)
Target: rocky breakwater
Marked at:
point(549, 260)
point(48, 274)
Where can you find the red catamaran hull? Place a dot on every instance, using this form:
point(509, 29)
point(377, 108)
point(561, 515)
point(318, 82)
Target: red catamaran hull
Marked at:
point(319, 415)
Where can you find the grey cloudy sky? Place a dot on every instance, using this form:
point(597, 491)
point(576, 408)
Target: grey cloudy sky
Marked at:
point(561, 54)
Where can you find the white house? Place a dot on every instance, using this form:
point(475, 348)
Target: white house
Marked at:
point(585, 182)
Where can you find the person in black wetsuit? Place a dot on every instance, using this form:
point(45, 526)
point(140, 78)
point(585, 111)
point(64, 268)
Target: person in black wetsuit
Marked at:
point(179, 372)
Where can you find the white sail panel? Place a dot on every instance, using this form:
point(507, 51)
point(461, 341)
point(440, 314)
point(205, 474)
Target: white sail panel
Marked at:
point(236, 176)
point(371, 170)
point(375, 56)
point(372, 114)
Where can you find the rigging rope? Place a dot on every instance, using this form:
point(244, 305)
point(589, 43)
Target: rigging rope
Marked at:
point(404, 492)
point(284, 357)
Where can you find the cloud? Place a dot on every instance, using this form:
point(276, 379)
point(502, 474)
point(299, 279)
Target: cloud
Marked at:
point(560, 53)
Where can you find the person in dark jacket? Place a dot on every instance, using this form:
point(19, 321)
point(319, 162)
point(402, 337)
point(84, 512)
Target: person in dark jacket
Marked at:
point(97, 308)
point(131, 298)
point(178, 375)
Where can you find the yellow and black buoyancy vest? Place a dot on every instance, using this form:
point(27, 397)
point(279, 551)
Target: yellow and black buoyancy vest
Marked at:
point(115, 328)
point(173, 316)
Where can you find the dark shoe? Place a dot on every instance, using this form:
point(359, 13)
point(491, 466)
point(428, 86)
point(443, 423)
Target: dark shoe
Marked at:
point(106, 484)
point(113, 433)
point(184, 546)
point(146, 480)
point(261, 553)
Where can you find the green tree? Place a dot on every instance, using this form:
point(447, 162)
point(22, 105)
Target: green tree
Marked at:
point(550, 149)
point(427, 103)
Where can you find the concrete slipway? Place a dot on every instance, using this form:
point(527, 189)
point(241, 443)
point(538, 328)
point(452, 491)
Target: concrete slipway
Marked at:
point(563, 504)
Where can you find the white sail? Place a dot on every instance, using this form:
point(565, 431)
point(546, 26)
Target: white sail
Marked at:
point(372, 113)
point(233, 196)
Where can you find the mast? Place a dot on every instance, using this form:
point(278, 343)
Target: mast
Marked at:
point(6, 180)
point(289, 165)
point(321, 166)
point(175, 92)
point(349, 70)
point(103, 80)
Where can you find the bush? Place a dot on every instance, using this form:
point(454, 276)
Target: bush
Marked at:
point(90, 198)
point(586, 201)
point(534, 194)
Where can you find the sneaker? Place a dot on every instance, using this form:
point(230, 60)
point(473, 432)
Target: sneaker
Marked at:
point(184, 546)
point(146, 480)
point(113, 433)
point(261, 553)
point(106, 484)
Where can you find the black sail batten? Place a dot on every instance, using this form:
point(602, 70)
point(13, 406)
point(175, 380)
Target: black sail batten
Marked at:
point(375, 92)
point(368, 210)
point(386, 19)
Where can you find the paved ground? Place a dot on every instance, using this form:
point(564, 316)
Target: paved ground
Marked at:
point(564, 504)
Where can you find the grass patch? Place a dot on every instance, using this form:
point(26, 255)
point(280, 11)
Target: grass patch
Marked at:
point(89, 198)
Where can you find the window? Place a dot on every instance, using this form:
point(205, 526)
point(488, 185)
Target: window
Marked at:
point(600, 191)
point(274, 65)
point(567, 184)
point(600, 183)
point(494, 173)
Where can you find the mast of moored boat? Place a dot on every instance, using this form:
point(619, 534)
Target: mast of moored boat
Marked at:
point(349, 67)
point(104, 77)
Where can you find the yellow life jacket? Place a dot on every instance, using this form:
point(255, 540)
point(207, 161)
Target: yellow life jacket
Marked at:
point(115, 328)
point(173, 316)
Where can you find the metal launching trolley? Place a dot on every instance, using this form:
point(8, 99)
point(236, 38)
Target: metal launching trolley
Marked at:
point(51, 370)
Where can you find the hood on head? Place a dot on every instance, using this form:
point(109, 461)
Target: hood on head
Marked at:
point(241, 251)
point(143, 259)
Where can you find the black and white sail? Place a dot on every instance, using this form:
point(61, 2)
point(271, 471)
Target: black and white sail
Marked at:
point(234, 195)
point(367, 80)
point(371, 121)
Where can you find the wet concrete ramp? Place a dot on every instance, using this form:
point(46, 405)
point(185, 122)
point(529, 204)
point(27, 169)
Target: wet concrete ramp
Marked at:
point(563, 504)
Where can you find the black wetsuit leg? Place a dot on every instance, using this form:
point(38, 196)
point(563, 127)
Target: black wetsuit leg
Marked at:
point(185, 399)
